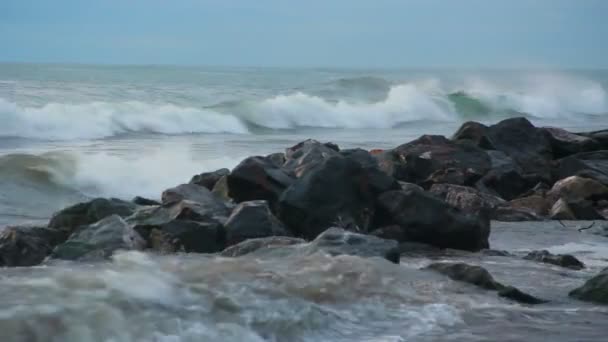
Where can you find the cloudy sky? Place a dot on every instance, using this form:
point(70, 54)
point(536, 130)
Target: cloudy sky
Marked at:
point(344, 33)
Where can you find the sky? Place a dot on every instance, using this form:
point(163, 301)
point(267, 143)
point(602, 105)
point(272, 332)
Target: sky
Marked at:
point(308, 33)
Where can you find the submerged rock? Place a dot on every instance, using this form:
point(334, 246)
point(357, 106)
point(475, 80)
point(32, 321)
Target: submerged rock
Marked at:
point(260, 244)
point(517, 295)
point(27, 246)
point(250, 220)
point(337, 241)
point(86, 213)
point(99, 240)
point(208, 179)
point(594, 290)
point(422, 217)
point(563, 260)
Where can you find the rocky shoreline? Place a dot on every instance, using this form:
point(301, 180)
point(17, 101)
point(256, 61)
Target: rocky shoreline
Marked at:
point(430, 195)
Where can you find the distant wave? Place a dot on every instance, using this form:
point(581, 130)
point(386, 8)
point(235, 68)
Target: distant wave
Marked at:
point(548, 97)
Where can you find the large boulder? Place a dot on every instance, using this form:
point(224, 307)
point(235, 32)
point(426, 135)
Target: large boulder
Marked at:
point(250, 220)
point(574, 210)
point(100, 240)
point(27, 246)
point(538, 204)
point(257, 178)
point(338, 190)
point(563, 260)
point(575, 188)
point(594, 290)
point(600, 136)
point(307, 154)
point(197, 194)
point(422, 217)
point(593, 165)
point(428, 158)
point(86, 213)
point(208, 179)
point(475, 133)
point(564, 143)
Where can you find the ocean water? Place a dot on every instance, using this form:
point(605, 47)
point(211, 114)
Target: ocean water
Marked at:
point(72, 132)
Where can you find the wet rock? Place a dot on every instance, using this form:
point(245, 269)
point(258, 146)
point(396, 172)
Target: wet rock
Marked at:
point(574, 210)
point(99, 240)
point(538, 204)
point(208, 179)
point(251, 220)
point(425, 218)
point(600, 136)
point(144, 201)
point(475, 275)
point(564, 143)
point(418, 160)
point(339, 190)
point(506, 213)
point(517, 295)
point(476, 133)
point(337, 241)
point(27, 246)
point(221, 191)
point(260, 244)
point(575, 188)
point(593, 165)
point(563, 260)
point(198, 194)
point(187, 236)
point(465, 198)
point(277, 159)
point(594, 290)
point(257, 178)
point(86, 213)
point(307, 154)
point(410, 186)
point(505, 182)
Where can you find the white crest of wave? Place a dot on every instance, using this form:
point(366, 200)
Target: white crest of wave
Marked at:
point(56, 121)
point(404, 103)
point(544, 96)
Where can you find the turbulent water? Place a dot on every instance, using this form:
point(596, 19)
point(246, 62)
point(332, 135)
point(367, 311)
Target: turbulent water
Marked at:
point(71, 132)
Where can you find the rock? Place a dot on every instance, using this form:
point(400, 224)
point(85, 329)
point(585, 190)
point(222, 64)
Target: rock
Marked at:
point(575, 188)
point(505, 182)
point(86, 213)
point(465, 198)
point(538, 204)
point(99, 240)
point(476, 133)
point(574, 210)
point(307, 154)
point(563, 260)
point(480, 277)
point(594, 290)
point(338, 190)
point(198, 194)
point(251, 220)
point(410, 186)
point(260, 244)
point(506, 213)
point(221, 191)
point(363, 157)
point(433, 155)
point(27, 246)
point(600, 136)
point(425, 218)
point(337, 241)
point(517, 295)
point(475, 275)
point(277, 159)
point(593, 165)
point(564, 143)
point(257, 178)
point(208, 179)
point(144, 201)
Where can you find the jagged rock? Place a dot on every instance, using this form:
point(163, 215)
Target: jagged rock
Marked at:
point(86, 213)
point(27, 246)
point(594, 290)
point(517, 295)
point(361, 156)
point(337, 241)
point(260, 244)
point(564, 143)
point(563, 260)
point(144, 201)
point(257, 178)
point(593, 165)
point(465, 198)
point(208, 179)
point(575, 188)
point(338, 190)
point(251, 220)
point(476, 133)
point(425, 218)
point(574, 210)
point(307, 154)
point(187, 236)
point(505, 182)
point(99, 240)
point(198, 194)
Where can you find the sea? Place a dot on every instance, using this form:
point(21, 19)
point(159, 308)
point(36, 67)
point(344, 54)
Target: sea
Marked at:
point(69, 133)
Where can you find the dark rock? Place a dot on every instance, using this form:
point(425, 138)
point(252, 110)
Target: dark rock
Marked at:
point(337, 241)
point(257, 178)
point(361, 156)
point(99, 240)
point(144, 201)
point(425, 218)
point(208, 179)
point(564, 143)
point(505, 182)
point(600, 136)
point(221, 191)
point(465, 198)
point(517, 295)
point(509, 214)
point(592, 165)
point(306, 155)
point(594, 290)
point(577, 188)
point(277, 159)
point(339, 190)
point(86, 213)
point(574, 210)
point(495, 252)
point(563, 260)
point(537, 204)
point(418, 160)
point(187, 236)
point(475, 275)
point(260, 244)
point(251, 220)
point(198, 194)
point(410, 186)
point(27, 246)
point(476, 133)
